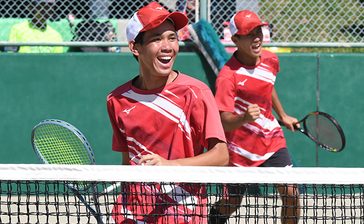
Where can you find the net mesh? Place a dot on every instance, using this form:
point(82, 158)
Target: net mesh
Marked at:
point(42, 194)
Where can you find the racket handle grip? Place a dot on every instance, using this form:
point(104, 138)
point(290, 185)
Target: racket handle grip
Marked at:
point(295, 125)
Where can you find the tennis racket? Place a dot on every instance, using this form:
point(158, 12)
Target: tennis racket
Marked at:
point(58, 142)
point(323, 129)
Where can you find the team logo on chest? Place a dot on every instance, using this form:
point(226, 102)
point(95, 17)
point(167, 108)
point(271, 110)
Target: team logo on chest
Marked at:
point(127, 111)
point(242, 83)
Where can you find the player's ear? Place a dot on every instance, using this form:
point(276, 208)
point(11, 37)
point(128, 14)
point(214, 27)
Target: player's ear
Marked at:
point(133, 48)
point(234, 38)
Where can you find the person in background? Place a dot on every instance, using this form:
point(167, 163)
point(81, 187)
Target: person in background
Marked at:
point(36, 30)
point(188, 8)
point(163, 117)
point(246, 97)
point(94, 31)
point(221, 11)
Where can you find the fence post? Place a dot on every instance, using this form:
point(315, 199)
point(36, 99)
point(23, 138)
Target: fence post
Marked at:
point(205, 10)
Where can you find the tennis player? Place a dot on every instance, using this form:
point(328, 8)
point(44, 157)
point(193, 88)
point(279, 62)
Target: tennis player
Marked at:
point(163, 117)
point(245, 95)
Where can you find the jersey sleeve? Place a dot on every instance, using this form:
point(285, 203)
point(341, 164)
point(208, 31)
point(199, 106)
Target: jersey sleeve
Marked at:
point(225, 93)
point(275, 63)
point(206, 118)
point(118, 138)
point(271, 59)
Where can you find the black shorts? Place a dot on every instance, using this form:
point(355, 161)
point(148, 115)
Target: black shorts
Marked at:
point(279, 159)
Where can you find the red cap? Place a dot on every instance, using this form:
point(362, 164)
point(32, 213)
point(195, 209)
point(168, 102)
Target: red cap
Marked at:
point(151, 16)
point(243, 22)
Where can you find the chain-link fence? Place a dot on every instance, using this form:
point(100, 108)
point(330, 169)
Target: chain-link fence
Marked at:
point(292, 21)
point(305, 21)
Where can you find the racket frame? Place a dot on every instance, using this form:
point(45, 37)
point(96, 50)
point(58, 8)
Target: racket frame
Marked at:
point(69, 127)
point(87, 146)
point(308, 134)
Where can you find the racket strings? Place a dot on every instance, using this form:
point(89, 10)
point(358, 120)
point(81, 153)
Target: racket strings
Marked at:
point(59, 145)
point(324, 131)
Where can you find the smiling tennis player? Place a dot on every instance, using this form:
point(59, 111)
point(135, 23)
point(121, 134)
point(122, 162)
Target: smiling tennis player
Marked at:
point(163, 117)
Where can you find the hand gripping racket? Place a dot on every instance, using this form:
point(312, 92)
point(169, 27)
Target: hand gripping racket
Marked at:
point(323, 129)
point(58, 142)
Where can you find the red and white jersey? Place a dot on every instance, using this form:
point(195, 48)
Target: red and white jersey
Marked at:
point(174, 122)
point(161, 204)
point(237, 87)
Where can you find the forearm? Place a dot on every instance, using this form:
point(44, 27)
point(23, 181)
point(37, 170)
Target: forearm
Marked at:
point(216, 156)
point(231, 121)
point(125, 158)
point(288, 121)
point(277, 106)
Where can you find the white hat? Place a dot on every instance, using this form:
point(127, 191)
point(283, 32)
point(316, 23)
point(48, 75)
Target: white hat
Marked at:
point(151, 16)
point(244, 21)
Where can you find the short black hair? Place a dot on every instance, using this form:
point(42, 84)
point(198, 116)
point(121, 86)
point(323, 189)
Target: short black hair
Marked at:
point(139, 39)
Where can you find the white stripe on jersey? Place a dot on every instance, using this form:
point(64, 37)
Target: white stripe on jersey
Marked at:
point(141, 146)
point(133, 156)
point(192, 92)
point(167, 91)
point(266, 124)
point(246, 102)
point(176, 193)
point(129, 215)
point(258, 73)
point(180, 195)
point(265, 66)
point(249, 155)
point(163, 106)
point(256, 130)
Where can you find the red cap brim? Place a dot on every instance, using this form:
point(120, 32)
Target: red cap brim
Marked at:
point(246, 33)
point(179, 20)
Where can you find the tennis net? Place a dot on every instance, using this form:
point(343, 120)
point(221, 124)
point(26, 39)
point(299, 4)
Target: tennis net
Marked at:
point(151, 194)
